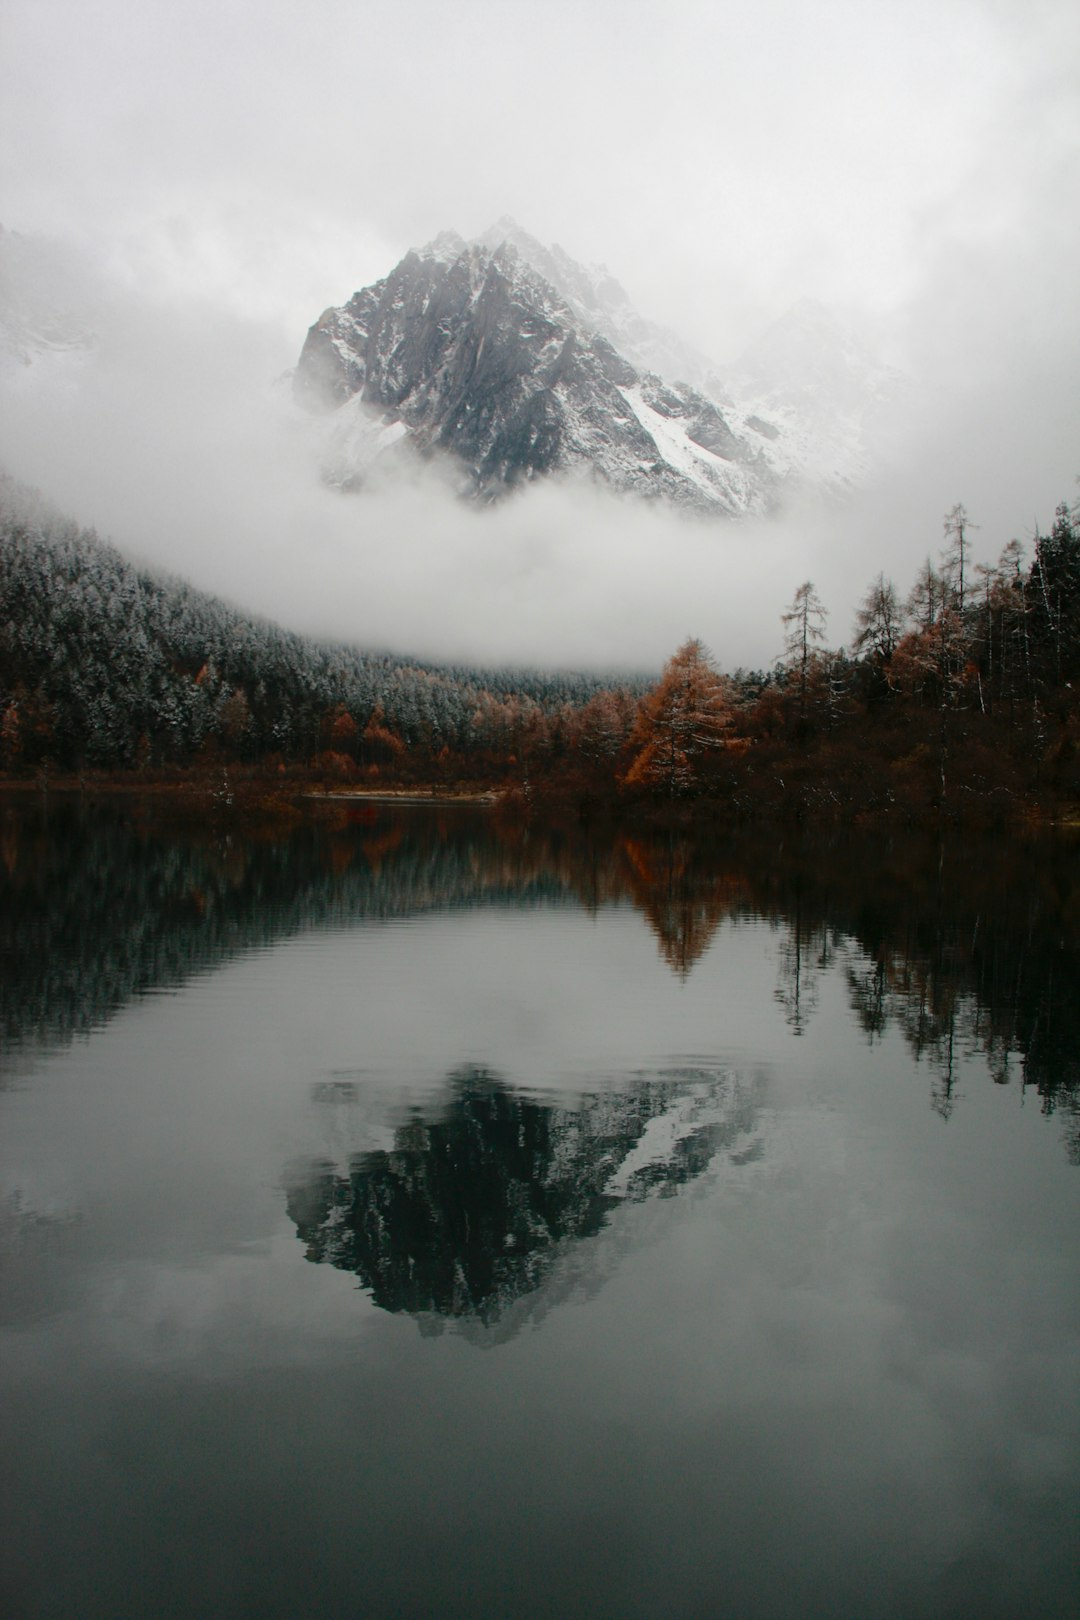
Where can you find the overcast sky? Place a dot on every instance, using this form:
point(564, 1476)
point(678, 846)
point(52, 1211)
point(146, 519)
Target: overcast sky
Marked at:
point(234, 168)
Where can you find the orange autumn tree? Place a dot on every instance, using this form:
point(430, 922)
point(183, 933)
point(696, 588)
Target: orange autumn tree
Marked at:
point(682, 721)
point(378, 743)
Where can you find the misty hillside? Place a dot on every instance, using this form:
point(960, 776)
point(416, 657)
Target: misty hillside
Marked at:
point(516, 362)
point(46, 300)
point(106, 664)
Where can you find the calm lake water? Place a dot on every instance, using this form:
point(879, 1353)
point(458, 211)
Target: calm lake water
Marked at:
point(418, 1217)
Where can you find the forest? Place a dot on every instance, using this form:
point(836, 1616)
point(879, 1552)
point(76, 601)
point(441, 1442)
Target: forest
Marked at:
point(106, 666)
point(956, 699)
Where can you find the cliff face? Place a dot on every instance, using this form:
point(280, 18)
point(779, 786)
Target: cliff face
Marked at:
point(467, 350)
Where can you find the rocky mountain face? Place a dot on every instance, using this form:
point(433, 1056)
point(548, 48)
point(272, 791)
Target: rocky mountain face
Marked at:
point(466, 349)
point(504, 360)
point(602, 305)
point(517, 362)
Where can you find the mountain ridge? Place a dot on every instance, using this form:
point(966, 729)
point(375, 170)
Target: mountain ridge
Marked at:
point(474, 353)
point(515, 362)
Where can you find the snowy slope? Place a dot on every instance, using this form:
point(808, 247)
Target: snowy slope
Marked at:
point(600, 303)
point(832, 399)
point(807, 392)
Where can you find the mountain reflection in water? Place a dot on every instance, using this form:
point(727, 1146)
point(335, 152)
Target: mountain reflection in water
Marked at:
point(480, 1203)
point(958, 946)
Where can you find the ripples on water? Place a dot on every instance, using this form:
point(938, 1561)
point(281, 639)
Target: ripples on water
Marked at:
point(418, 1216)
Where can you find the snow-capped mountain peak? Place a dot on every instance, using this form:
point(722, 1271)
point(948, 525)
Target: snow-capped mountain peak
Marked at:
point(600, 302)
point(517, 362)
point(481, 357)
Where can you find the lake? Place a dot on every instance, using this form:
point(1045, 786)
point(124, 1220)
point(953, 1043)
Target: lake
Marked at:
point(419, 1215)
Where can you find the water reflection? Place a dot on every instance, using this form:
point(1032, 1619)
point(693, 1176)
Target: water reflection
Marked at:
point(682, 899)
point(480, 1201)
point(957, 947)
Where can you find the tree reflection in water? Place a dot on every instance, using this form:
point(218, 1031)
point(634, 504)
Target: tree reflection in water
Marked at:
point(960, 946)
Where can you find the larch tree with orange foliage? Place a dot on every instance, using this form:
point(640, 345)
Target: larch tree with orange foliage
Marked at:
point(681, 723)
point(380, 745)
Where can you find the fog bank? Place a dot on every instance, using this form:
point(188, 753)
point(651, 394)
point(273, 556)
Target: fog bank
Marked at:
point(176, 435)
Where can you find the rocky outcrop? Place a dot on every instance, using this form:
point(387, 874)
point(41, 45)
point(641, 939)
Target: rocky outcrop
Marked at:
point(467, 350)
point(515, 362)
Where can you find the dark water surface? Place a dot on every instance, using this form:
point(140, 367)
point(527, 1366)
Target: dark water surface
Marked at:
point(414, 1216)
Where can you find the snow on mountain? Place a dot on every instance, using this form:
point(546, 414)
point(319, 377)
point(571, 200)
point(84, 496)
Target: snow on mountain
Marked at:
point(546, 1235)
point(807, 385)
point(483, 359)
point(601, 304)
point(833, 400)
point(517, 362)
point(503, 360)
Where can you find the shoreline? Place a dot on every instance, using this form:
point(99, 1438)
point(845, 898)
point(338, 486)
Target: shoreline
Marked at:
point(234, 795)
point(489, 796)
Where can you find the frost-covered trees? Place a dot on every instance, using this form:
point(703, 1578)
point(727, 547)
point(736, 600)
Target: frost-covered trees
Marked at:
point(104, 664)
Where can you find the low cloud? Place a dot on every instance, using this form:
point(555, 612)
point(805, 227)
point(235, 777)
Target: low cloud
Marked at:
point(177, 437)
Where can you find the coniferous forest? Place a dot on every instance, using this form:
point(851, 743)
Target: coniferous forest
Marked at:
point(957, 697)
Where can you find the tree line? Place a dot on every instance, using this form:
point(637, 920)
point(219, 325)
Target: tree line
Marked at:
point(960, 697)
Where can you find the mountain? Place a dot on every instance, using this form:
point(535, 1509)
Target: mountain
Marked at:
point(830, 397)
point(518, 362)
point(602, 305)
point(807, 384)
point(466, 349)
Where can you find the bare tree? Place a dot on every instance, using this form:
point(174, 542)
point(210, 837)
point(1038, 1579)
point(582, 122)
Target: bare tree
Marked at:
point(879, 622)
point(804, 622)
point(956, 555)
point(927, 595)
